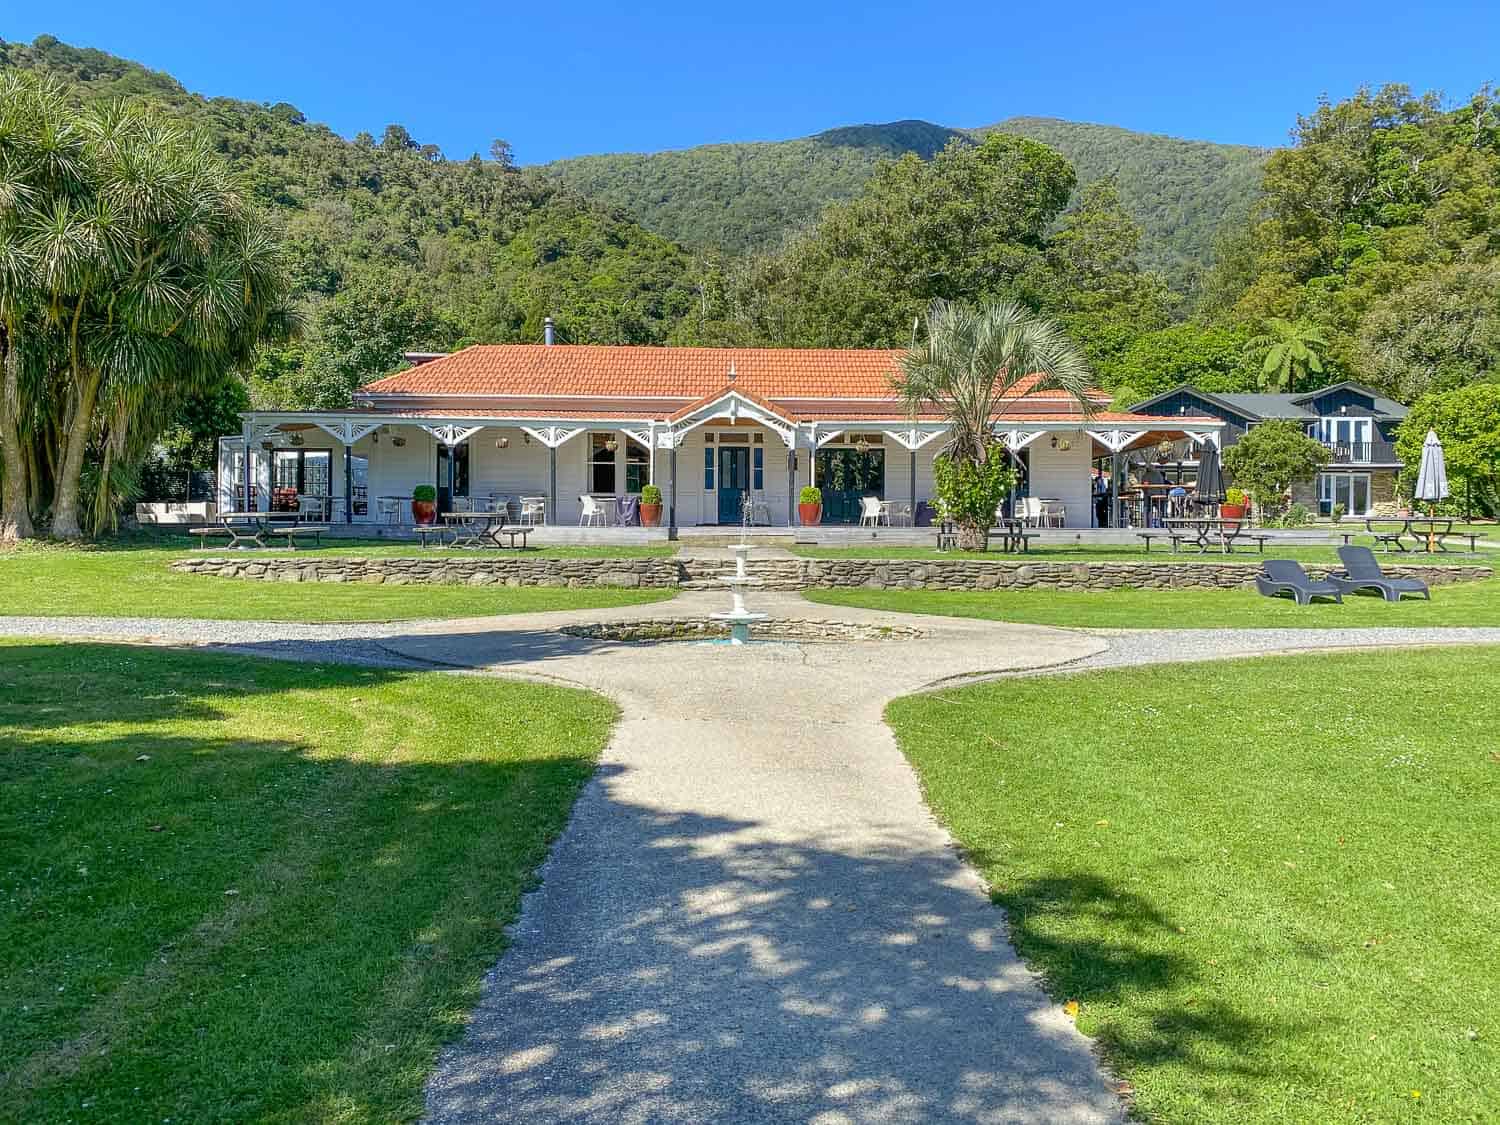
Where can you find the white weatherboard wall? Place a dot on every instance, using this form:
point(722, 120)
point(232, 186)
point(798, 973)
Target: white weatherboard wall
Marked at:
point(1063, 474)
point(395, 471)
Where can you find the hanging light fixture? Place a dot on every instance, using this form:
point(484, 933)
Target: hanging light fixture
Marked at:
point(502, 442)
point(525, 438)
point(295, 439)
point(611, 444)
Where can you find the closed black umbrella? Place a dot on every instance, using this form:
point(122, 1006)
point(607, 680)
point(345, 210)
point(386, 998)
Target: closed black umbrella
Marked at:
point(1210, 476)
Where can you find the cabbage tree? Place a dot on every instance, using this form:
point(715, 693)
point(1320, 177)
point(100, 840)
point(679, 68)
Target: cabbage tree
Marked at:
point(134, 273)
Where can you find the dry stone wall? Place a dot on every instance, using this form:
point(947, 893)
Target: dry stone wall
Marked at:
point(776, 574)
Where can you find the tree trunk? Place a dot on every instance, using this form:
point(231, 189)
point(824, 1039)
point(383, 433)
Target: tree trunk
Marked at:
point(65, 523)
point(973, 537)
point(15, 490)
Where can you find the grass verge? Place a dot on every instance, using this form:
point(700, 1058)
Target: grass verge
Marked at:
point(135, 582)
point(1271, 886)
point(242, 890)
point(1463, 603)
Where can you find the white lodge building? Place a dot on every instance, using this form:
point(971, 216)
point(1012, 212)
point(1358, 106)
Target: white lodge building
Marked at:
point(706, 425)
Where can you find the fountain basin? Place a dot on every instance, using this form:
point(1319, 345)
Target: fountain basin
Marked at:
point(714, 627)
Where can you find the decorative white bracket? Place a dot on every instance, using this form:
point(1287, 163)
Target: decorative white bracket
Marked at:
point(347, 433)
point(451, 435)
point(820, 440)
point(1017, 440)
point(914, 439)
point(1207, 437)
point(553, 436)
point(640, 437)
point(1116, 440)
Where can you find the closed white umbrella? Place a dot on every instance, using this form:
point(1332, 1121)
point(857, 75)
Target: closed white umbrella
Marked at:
point(1432, 477)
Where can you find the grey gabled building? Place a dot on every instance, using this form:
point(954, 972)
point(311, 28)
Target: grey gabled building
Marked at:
point(1357, 424)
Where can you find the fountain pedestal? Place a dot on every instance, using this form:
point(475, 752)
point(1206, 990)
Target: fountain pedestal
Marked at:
point(739, 618)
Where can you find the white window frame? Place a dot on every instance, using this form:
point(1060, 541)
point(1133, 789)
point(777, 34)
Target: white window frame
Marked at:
point(1328, 492)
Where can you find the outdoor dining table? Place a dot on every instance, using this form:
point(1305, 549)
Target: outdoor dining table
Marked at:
point(1428, 532)
point(469, 528)
point(1207, 531)
point(244, 527)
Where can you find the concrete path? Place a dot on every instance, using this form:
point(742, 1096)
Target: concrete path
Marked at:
point(752, 916)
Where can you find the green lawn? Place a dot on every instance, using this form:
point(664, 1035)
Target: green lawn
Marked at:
point(242, 890)
point(1272, 886)
point(133, 581)
point(1463, 603)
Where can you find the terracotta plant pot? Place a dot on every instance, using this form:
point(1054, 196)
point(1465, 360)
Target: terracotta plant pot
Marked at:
point(810, 514)
point(1232, 511)
point(424, 512)
point(650, 515)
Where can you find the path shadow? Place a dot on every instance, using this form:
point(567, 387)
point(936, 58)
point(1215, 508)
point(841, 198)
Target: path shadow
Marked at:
point(677, 966)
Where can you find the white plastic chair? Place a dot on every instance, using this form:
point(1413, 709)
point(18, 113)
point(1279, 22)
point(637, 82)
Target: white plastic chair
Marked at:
point(462, 504)
point(591, 511)
point(869, 511)
point(533, 510)
point(760, 511)
point(1031, 511)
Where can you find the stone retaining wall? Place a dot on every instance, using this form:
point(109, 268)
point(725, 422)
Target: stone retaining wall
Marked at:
point(777, 574)
point(446, 569)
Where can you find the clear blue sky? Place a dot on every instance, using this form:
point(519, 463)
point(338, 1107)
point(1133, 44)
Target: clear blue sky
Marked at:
point(564, 79)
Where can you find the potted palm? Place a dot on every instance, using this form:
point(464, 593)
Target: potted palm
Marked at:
point(650, 506)
point(424, 505)
point(1233, 507)
point(970, 369)
point(810, 506)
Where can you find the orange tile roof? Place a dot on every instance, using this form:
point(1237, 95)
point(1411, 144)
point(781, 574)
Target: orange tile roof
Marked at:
point(597, 381)
point(683, 373)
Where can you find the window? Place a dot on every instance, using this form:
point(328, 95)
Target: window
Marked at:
point(602, 463)
point(1352, 490)
point(759, 454)
point(637, 466)
point(708, 466)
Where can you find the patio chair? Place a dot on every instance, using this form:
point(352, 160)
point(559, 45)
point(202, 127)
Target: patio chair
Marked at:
point(869, 511)
point(760, 510)
point(533, 510)
point(1284, 576)
point(462, 504)
point(591, 512)
point(1031, 511)
point(1362, 572)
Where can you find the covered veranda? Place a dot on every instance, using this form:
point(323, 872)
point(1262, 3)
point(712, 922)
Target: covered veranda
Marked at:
point(716, 461)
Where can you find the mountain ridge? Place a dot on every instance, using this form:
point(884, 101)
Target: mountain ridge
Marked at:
point(751, 195)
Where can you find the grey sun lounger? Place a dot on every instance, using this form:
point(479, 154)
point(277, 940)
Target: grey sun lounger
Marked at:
point(1362, 572)
point(1283, 576)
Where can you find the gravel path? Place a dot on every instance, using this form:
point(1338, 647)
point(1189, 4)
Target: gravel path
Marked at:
point(752, 915)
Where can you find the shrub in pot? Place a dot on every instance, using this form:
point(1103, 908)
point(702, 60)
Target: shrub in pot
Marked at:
point(650, 506)
point(424, 505)
point(810, 506)
point(1233, 507)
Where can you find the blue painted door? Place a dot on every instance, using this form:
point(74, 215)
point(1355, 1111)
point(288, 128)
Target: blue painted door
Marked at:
point(734, 479)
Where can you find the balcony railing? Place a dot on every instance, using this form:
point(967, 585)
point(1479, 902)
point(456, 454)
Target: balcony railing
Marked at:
point(1360, 452)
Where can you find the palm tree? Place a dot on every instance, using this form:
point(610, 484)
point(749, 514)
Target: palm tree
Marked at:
point(972, 366)
point(1289, 352)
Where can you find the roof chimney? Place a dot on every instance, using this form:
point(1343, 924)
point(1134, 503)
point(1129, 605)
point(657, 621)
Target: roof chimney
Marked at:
point(549, 331)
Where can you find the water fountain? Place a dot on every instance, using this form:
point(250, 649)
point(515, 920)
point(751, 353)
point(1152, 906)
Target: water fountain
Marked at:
point(739, 618)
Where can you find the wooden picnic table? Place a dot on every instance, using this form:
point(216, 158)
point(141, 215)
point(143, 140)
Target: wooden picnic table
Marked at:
point(1427, 532)
point(251, 528)
point(1208, 531)
point(482, 529)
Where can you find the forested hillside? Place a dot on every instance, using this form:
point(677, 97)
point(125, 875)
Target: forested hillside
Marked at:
point(737, 197)
point(393, 246)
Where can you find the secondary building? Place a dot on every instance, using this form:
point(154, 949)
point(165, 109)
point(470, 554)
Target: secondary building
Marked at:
point(1355, 423)
point(543, 426)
